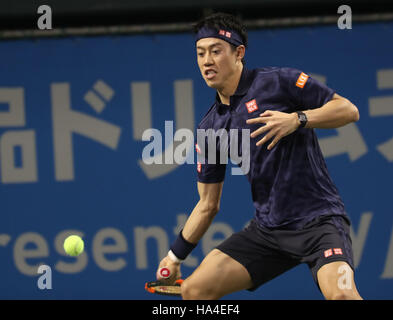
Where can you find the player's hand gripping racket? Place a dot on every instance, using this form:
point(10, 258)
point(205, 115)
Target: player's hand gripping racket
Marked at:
point(161, 287)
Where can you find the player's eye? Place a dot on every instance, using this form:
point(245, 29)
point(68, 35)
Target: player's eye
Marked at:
point(216, 51)
point(200, 54)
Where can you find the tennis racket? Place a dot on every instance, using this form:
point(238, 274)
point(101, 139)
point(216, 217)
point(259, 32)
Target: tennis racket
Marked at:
point(159, 287)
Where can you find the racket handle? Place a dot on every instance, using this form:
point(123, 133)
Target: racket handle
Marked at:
point(163, 273)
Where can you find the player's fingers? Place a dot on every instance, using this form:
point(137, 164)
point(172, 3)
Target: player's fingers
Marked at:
point(263, 117)
point(274, 142)
point(266, 113)
point(256, 120)
point(163, 273)
point(267, 137)
point(259, 131)
point(171, 279)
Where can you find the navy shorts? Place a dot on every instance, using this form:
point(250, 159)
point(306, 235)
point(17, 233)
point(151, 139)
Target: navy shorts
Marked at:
point(268, 253)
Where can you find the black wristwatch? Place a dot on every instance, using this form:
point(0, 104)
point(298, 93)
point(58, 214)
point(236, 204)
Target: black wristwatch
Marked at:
point(302, 118)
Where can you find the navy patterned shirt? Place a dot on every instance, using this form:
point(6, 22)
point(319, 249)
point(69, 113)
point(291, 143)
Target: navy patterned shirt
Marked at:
point(290, 183)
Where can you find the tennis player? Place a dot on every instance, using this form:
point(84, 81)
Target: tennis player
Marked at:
point(299, 215)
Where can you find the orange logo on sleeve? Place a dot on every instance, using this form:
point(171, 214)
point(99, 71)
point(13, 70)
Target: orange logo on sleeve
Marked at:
point(197, 148)
point(301, 81)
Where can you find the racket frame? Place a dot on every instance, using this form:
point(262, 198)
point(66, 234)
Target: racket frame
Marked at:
point(150, 287)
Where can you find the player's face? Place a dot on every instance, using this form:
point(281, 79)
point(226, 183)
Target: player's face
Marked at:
point(217, 61)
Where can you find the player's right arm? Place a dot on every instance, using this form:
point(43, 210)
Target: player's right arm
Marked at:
point(197, 223)
point(204, 212)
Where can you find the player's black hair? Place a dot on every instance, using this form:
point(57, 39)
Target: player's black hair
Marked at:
point(226, 21)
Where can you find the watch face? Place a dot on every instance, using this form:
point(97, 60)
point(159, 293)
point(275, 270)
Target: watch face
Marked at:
point(302, 118)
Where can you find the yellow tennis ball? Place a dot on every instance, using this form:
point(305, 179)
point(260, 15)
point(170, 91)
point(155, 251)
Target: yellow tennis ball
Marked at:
point(73, 245)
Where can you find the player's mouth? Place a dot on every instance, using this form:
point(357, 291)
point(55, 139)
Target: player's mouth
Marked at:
point(210, 74)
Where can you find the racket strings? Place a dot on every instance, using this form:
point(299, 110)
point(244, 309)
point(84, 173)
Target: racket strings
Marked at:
point(168, 289)
point(159, 288)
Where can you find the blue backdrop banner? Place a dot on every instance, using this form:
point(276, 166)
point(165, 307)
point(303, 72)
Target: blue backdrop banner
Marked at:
point(74, 120)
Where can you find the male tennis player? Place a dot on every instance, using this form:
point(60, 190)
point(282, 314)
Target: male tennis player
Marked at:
point(299, 215)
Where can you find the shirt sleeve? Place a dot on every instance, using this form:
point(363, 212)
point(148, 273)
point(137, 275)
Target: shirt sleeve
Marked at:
point(208, 171)
point(304, 91)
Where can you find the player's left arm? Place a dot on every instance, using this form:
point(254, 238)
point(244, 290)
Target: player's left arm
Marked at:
point(336, 113)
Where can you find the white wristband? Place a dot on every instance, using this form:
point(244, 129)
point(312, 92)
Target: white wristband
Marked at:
point(173, 257)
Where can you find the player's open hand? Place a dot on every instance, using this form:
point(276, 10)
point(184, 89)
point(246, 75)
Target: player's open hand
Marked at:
point(277, 125)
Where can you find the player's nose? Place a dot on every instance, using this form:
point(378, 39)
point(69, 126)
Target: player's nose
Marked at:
point(208, 60)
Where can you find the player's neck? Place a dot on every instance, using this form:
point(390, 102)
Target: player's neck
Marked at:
point(230, 86)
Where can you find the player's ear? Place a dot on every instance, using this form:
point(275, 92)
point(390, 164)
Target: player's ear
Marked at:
point(240, 52)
